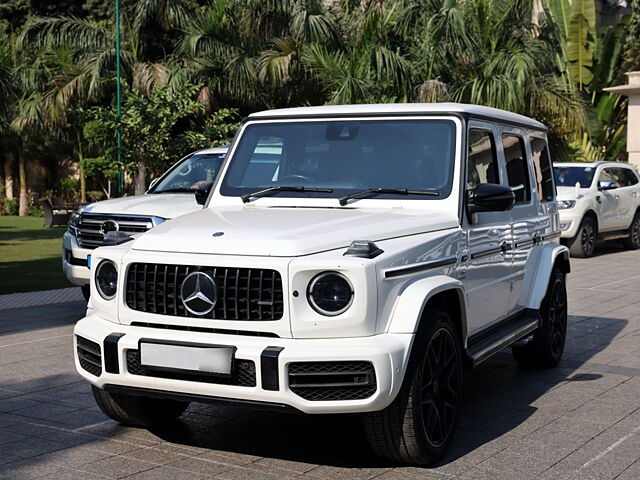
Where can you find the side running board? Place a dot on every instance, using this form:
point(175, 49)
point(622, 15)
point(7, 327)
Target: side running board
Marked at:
point(484, 344)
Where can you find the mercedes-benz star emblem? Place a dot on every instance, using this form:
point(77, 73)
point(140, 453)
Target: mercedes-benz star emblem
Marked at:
point(109, 226)
point(199, 293)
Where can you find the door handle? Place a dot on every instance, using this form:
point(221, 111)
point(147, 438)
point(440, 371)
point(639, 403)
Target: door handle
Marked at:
point(634, 194)
point(598, 199)
point(616, 196)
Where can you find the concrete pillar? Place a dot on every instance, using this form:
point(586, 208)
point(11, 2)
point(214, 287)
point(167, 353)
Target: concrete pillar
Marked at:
point(632, 90)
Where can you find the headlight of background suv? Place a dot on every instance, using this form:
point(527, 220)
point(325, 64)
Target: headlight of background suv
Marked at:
point(107, 279)
point(330, 293)
point(565, 204)
point(74, 220)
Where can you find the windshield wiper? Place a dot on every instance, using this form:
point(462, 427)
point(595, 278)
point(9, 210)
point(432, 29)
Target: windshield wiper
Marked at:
point(177, 190)
point(397, 191)
point(281, 188)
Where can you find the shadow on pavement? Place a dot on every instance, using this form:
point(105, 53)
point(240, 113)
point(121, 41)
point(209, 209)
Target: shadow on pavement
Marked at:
point(17, 320)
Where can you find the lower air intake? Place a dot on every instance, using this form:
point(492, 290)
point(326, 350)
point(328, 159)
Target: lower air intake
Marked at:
point(243, 375)
point(331, 381)
point(89, 355)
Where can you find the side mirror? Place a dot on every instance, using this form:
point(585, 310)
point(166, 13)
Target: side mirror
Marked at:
point(489, 197)
point(202, 193)
point(607, 185)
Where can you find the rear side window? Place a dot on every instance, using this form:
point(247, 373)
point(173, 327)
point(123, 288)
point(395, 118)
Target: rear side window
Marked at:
point(543, 170)
point(517, 172)
point(619, 175)
point(482, 163)
point(632, 178)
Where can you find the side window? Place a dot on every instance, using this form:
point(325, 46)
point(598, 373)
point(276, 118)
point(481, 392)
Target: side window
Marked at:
point(632, 178)
point(482, 163)
point(542, 168)
point(620, 177)
point(517, 171)
point(605, 175)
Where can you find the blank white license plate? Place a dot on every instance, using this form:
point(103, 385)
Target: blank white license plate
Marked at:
point(182, 357)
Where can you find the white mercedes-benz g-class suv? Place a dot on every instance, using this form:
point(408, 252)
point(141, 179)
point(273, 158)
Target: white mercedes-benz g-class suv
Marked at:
point(597, 201)
point(169, 196)
point(350, 259)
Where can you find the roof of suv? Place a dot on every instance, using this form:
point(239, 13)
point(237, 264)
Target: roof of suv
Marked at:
point(402, 108)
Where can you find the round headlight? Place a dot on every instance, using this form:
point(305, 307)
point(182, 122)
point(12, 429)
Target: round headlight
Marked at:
point(330, 293)
point(107, 279)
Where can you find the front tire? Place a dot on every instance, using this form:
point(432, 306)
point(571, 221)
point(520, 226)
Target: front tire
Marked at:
point(632, 242)
point(419, 425)
point(583, 245)
point(546, 347)
point(138, 411)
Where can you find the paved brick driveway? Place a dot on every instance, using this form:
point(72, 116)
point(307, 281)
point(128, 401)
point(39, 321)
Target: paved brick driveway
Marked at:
point(579, 421)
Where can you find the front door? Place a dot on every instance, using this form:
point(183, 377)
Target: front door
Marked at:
point(486, 279)
point(607, 202)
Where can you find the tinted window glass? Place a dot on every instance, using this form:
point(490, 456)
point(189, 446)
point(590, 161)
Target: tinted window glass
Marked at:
point(517, 172)
point(620, 177)
point(193, 172)
point(482, 164)
point(569, 176)
point(632, 178)
point(542, 168)
point(346, 156)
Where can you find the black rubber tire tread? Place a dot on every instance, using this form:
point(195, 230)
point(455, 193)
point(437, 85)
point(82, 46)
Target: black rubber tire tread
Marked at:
point(575, 243)
point(628, 242)
point(138, 411)
point(537, 353)
point(395, 433)
point(86, 292)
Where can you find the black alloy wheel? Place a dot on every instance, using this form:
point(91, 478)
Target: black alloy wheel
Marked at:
point(632, 242)
point(557, 317)
point(439, 378)
point(588, 239)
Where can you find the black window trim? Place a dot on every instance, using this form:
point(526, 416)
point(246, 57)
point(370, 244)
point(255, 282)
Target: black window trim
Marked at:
point(539, 136)
point(495, 151)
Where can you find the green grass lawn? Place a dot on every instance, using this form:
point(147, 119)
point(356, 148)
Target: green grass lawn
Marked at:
point(30, 255)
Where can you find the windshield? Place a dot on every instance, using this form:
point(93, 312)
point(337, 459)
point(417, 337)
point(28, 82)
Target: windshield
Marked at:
point(345, 156)
point(569, 176)
point(191, 173)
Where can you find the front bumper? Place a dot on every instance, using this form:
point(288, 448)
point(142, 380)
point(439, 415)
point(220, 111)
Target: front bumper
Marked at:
point(388, 353)
point(569, 222)
point(74, 261)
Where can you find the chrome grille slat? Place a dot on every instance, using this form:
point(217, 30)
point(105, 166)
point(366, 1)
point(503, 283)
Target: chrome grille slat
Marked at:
point(89, 234)
point(241, 291)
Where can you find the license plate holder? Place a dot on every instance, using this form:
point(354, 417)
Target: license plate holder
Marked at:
point(185, 357)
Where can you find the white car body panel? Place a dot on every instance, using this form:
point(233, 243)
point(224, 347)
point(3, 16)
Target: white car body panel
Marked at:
point(428, 247)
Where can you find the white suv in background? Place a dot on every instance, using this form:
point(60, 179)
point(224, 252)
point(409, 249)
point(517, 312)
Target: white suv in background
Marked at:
point(169, 196)
point(350, 259)
point(597, 201)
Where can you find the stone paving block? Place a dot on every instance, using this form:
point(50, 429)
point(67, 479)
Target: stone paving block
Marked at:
point(166, 473)
point(117, 466)
point(27, 469)
point(28, 447)
point(329, 472)
point(200, 466)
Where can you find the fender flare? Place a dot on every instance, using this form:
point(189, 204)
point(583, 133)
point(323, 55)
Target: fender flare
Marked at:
point(408, 310)
point(536, 277)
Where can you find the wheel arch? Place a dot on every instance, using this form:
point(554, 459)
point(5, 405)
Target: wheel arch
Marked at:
point(590, 212)
point(441, 292)
point(537, 276)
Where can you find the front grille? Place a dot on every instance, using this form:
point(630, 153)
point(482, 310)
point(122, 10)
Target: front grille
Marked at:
point(89, 356)
point(89, 232)
point(329, 381)
point(243, 293)
point(243, 375)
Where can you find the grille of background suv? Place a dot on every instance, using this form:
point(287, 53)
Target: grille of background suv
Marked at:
point(326, 381)
point(89, 228)
point(243, 293)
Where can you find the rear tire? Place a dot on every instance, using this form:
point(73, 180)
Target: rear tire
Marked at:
point(583, 245)
point(86, 292)
point(419, 425)
point(138, 411)
point(546, 347)
point(632, 242)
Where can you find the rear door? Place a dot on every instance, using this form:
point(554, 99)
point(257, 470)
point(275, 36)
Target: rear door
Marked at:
point(527, 222)
point(607, 202)
point(627, 195)
point(486, 278)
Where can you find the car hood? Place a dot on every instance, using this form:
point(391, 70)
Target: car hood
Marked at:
point(569, 193)
point(165, 205)
point(286, 232)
